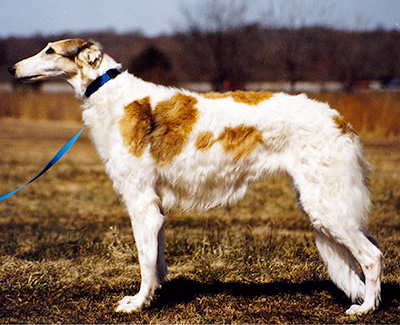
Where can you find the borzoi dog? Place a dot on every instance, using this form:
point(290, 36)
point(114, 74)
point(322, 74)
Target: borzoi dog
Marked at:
point(166, 147)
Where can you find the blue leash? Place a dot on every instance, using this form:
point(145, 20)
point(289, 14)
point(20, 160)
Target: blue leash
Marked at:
point(56, 158)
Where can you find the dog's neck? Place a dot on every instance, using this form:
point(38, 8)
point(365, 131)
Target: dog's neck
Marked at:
point(81, 81)
point(100, 81)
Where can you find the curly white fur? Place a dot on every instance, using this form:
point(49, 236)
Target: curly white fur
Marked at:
point(166, 147)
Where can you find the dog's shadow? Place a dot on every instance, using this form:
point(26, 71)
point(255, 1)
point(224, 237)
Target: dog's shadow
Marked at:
point(182, 290)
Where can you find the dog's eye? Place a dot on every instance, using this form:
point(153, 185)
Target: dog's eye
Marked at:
point(50, 50)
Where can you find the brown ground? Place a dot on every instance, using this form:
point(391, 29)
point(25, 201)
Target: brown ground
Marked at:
point(67, 253)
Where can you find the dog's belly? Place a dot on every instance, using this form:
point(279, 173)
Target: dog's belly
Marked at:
point(205, 186)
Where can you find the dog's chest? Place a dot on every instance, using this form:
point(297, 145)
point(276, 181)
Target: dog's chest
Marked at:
point(104, 132)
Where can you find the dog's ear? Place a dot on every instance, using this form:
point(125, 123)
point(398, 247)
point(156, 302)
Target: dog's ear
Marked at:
point(91, 53)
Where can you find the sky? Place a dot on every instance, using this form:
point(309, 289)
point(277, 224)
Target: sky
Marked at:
point(156, 17)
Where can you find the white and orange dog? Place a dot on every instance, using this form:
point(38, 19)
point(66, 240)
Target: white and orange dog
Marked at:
point(166, 147)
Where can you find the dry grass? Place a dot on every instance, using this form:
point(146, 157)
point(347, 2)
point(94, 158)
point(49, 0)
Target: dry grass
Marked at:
point(373, 114)
point(67, 253)
point(28, 104)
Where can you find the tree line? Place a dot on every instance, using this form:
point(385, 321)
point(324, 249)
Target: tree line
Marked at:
point(242, 54)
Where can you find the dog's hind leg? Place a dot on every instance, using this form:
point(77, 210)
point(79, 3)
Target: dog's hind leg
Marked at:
point(355, 265)
point(354, 262)
point(331, 190)
point(342, 266)
point(371, 262)
point(148, 229)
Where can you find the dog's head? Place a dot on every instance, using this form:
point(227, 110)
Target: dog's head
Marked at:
point(63, 59)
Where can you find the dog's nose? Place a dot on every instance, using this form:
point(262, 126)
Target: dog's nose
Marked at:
point(11, 70)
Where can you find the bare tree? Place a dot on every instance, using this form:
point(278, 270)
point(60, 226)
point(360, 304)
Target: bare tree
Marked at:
point(213, 36)
point(152, 64)
point(295, 16)
point(216, 16)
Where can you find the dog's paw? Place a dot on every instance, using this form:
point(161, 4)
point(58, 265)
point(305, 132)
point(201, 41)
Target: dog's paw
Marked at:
point(359, 309)
point(131, 304)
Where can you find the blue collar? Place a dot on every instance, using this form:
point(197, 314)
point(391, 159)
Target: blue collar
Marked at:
point(100, 81)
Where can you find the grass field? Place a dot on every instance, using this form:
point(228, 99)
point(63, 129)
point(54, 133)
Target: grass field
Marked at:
point(373, 114)
point(67, 254)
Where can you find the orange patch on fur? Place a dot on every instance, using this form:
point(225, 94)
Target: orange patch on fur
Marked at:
point(343, 125)
point(136, 126)
point(68, 48)
point(204, 140)
point(173, 121)
point(241, 140)
point(165, 128)
point(239, 96)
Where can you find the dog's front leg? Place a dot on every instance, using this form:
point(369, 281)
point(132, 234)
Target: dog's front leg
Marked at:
point(148, 230)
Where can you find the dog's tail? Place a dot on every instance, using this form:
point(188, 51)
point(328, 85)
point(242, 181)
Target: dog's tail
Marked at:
point(342, 266)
